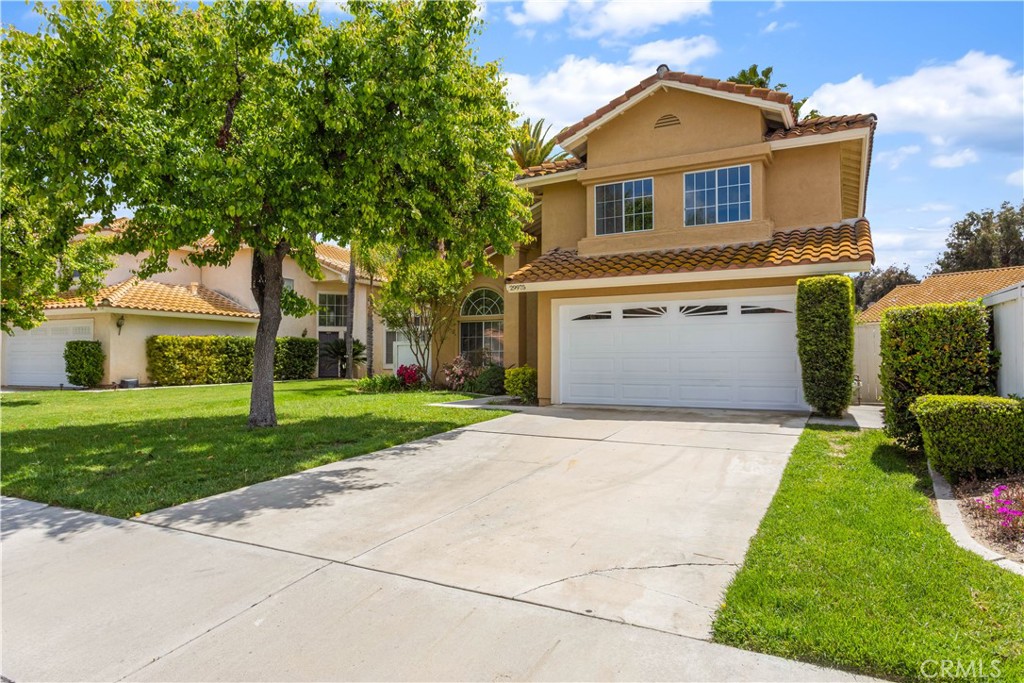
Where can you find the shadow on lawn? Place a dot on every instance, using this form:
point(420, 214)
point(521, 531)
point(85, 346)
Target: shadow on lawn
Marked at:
point(893, 459)
point(121, 469)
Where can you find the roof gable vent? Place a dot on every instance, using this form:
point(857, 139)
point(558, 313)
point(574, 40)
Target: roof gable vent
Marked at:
point(666, 121)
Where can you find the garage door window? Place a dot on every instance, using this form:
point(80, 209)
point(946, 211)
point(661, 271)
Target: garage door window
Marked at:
point(699, 311)
point(482, 327)
point(757, 310)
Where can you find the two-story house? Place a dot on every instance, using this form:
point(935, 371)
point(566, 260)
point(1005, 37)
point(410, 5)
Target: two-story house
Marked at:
point(667, 251)
point(185, 300)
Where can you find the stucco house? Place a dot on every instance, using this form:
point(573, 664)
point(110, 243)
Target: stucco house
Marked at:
point(1000, 289)
point(185, 300)
point(666, 252)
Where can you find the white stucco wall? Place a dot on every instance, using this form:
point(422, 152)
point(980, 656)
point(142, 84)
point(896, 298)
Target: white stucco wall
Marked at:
point(1007, 308)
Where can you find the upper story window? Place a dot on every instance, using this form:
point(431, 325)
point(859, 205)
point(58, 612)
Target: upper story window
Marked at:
point(333, 310)
point(718, 196)
point(624, 207)
point(483, 302)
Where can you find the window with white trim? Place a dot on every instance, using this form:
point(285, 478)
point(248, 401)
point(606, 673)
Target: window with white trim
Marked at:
point(333, 310)
point(482, 327)
point(624, 207)
point(721, 195)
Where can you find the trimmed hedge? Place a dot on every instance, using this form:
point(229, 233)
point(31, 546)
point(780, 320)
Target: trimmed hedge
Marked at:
point(83, 362)
point(824, 333)
point(971, 435)
point(932, 349)
point(173, 360)
point(522, 382)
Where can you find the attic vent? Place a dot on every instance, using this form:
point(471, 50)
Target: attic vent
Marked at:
point(666, 121)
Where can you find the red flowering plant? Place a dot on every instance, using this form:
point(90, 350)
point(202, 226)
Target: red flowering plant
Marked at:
point(411, 375)
point(458, 372)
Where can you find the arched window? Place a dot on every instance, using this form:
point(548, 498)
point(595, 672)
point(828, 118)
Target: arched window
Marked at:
point(483, 302)
point(482, 327)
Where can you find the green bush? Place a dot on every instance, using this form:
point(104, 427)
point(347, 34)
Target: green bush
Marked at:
point(295, 357)
point(522, 382)
point(381, 384)
point(932, 349)
point(83, 362)
point(490, 380)
point(971, 435)
point(173, 360)
point(824, 332)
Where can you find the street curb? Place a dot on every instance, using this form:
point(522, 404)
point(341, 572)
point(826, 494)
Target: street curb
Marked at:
point(949, 513)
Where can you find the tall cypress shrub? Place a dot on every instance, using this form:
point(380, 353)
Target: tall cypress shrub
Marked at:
point(824, 331)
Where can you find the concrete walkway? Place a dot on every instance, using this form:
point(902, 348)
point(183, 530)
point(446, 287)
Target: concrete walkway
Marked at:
point(579, 544)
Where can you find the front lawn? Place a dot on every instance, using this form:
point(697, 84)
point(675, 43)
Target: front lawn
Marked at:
point(851, 568)
point(128, 452)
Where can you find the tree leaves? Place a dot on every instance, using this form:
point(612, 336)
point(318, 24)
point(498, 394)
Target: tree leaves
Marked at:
point(985, 240)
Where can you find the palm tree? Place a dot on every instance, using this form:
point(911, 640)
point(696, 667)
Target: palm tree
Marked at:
point(531, 146)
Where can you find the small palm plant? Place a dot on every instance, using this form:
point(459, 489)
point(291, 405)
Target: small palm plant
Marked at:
point(335, 350)
point(531, 146)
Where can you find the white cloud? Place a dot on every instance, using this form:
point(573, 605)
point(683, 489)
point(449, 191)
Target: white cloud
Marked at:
point(933, 206)
point(770, 27)
point(894, 158)
point(1016, 179)
point(579, 85)
point(956, 159)
point(977, 99)
point(536, 12)
point(678, 53)
point(775, 27)
point(614, 18)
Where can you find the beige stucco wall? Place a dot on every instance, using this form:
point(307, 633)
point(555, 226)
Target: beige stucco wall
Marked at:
point(180, 272)
point(803, 187)
point(706, 123)
point(544, 335)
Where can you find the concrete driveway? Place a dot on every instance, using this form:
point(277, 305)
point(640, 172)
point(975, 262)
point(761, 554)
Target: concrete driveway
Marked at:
point(440, 559)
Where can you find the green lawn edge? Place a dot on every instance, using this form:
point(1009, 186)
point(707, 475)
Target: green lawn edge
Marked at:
point(124, 453)
point(851, 568)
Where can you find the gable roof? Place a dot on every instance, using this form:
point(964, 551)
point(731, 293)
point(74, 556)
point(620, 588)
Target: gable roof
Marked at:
point(148, 295)
point(552, 167)
point(780, 103)
point(945, 288)
point(845, 242)
point(823, 125)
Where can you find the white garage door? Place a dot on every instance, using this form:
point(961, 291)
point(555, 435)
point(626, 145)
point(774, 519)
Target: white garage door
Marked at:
point(729, 353)
point(36, 358)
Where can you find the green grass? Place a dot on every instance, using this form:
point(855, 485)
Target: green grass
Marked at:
point(851, 568)
point(128, 452)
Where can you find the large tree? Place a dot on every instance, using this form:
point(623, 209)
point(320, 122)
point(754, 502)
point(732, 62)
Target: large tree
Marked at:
point(762, 78)
point(988, 239)
point(256, 124)
point(871, 286)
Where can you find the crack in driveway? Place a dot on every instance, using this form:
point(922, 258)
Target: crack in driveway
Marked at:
point(595, 572)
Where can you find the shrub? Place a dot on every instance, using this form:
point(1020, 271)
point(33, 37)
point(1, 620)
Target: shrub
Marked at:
point(83, 362)
point(294, 358)
point(824, 332)
point(969, 435)
point(173, 360)
point(933, 349)
point(380, 384)
point(458, 372)
point(411, 375)
point(490, 380)
point(522, 382)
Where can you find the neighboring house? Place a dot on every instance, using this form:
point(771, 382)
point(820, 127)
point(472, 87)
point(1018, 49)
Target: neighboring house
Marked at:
point(949, 288)
point(666, 253)
point(185, 300)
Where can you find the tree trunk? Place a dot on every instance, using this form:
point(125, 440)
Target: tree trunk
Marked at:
point(369, 329)
point(267, 284)
point(350, 305)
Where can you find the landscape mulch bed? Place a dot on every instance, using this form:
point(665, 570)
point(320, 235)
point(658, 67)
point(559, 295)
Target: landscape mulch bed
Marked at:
point(984, 524)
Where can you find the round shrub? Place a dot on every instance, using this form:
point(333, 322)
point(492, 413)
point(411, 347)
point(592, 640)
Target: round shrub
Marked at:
point(83, 362)
point(490, 380)
point(972, 435)
point(934, 349)
point(522, 383)
point(824, 332)
point(380, 384)
point(411, 375)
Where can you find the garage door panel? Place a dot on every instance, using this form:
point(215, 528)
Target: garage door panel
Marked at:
point(695, 353)
point(35, 358)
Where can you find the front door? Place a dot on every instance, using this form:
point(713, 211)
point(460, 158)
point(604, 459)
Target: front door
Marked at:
point(328, 365)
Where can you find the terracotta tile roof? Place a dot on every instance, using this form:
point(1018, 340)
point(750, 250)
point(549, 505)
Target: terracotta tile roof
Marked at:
point(550, 167)
point(824, 124)
point(147, 295)
point(679, 77)
point(945, 288)
point(116, 226)
point(849, 241)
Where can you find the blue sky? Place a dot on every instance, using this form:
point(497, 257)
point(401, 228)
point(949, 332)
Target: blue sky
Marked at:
point(944, 78)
